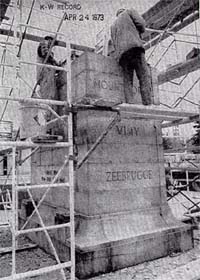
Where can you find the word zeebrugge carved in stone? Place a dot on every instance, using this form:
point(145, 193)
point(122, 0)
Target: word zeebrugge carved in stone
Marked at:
point(119, 176)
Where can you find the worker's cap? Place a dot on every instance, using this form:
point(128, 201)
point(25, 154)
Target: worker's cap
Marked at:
point(50, 37)
point(119, 11)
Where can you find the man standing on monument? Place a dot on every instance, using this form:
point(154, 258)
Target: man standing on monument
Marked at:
point(128, 49)
point(52, 82)
point(44, 54)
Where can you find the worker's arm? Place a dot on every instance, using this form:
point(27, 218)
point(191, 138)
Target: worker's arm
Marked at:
point(112, 37)
point(137, 19)
point(111, 47)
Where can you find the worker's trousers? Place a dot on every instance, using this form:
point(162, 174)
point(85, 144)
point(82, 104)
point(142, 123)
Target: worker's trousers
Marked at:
point(134, 59)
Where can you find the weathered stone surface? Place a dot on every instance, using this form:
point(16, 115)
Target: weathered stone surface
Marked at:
point(107, 177)
point(122, 216)
point(44, 167)
point(34, 117)
point(97, 76)
point(116, 201)
point(91, 124)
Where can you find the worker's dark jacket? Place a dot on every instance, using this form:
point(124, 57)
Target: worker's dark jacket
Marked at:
point(42, 53)
point(126, 33)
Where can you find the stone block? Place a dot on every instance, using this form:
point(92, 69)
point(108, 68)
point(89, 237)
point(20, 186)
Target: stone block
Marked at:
point(106, 153)
point(120, 243)
point(121, 176)
point(97, 76)
point(31, 116)
point(45, 164)
point(122, 216)
point(90, 125)
point(118, 200)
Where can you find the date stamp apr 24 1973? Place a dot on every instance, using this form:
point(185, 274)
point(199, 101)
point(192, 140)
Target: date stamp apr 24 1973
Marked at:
point(71, 10)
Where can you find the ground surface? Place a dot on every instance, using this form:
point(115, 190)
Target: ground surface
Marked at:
point(25, 260)
point(36, 258)
point(154, 269)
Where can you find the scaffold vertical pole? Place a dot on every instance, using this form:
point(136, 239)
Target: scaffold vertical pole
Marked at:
point(14, 224)
point(17, 17)
point(14, 212)
point(71, 163)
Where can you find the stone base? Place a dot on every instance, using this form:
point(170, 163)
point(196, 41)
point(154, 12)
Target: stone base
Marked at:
point(119, 254)
point(107, 243)
point(122, 215)
point(117, 242)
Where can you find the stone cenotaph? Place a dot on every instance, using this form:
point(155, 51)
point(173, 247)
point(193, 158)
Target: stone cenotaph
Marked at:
point(122, 215)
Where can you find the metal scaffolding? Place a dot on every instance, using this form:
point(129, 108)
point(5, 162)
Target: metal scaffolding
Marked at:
point(15, 146)
point(174, 117)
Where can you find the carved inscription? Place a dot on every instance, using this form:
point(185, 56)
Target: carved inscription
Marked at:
point(49, 176)
point(127, 131)
point(89, 136)
point(121, 176)
point(108, 85)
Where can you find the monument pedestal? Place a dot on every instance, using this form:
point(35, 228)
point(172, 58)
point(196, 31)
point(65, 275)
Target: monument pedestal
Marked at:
point(122, 216)
point(121, 197)
point(118, 244)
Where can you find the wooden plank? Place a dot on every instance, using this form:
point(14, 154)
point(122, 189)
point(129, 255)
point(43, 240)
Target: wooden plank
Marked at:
point(156, 17)
point(155, 13)
point(179, 70)
point(161, 14)
point(155, 38)
point(181, 150)
point(182, 121)
point(35, 38)
point(8, 250)
point(149, 116)
point(153, 109)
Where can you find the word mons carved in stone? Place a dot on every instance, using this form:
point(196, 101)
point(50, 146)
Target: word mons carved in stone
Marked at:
point(108, 84)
